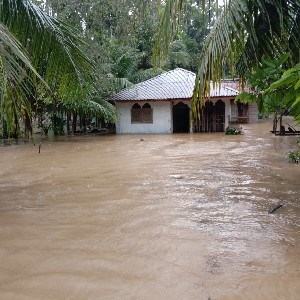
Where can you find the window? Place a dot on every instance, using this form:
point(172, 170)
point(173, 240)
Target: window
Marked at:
point(142, 114)
point(147, 113)
point(136, 113)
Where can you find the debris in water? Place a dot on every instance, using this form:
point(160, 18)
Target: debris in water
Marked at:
point(176, 176)
point(273, 209)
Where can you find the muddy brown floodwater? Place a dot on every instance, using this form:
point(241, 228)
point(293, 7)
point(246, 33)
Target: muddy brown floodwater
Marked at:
point(170, 217)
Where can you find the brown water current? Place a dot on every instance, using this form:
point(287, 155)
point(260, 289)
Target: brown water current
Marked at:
point(169, 217)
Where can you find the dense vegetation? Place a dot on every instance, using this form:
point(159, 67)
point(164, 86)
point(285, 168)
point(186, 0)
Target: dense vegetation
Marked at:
point(61, 59)
point(245, 32)
point(74, 54)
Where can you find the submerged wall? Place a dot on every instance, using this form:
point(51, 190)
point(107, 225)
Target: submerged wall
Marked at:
point(162, 118)
point(253, 113)
point(163, 115)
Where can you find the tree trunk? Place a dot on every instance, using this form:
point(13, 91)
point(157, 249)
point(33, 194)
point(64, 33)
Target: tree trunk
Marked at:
point(83, 122)
point(80, 122)
point(282, 128)
point(28, 127)
point(275, 122)
point(74, 121)
point(68, 122)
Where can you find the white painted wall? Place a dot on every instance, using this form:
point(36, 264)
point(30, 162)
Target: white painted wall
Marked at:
point(162, 118)
point(227, 112)
point(253, 113)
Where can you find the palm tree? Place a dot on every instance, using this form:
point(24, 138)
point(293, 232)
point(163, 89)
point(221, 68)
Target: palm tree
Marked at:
point(14, 68)
point(244, 32)
point(37, 49)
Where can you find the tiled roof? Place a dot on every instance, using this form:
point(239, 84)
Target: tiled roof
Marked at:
point(175, 84)
point(236, 85)
point(223, 91)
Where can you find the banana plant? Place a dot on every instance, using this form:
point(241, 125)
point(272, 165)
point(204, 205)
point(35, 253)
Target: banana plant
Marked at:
point(259, 80)
point(289, 86)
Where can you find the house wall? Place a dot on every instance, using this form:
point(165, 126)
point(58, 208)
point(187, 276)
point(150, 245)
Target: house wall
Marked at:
point(253, 113)
point(162, 118)
point(163, 115)
point(227, 113)
point(234, 111)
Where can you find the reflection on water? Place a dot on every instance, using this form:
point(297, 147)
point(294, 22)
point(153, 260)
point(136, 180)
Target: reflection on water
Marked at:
point(170, 217)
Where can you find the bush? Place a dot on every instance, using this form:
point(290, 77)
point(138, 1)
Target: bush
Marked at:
point(232, 131)
point(294, 156)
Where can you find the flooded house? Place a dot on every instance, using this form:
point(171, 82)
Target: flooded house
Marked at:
point(162, 104)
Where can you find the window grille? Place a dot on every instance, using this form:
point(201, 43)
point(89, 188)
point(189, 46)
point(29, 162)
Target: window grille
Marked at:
point(136, 113)
point(147, 113)
point(141, 114)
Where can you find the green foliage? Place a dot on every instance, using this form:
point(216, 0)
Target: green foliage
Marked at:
point(118, 36)
point(42, 64)
point(179, 55)
point(294, 156)
point(245, 97)
point(288, 86)
point(232, 131)
point(244, 32)
point(187, 22)
point(260, 79)
point(143, 75)
point(58, 123)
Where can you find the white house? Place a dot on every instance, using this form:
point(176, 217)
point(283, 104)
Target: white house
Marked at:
point(163, 105)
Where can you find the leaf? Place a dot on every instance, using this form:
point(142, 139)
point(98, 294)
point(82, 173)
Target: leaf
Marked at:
point(283, 58)
point(243, 33)
point(296, 103)
point(297, 85)
point(246, 97)
point(285, 80)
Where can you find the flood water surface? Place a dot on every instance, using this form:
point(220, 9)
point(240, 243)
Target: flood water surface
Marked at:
point(165, 217)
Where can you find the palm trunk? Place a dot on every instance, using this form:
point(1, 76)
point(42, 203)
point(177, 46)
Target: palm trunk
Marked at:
point(28, 127)
point(68, 122)
point(74, 121)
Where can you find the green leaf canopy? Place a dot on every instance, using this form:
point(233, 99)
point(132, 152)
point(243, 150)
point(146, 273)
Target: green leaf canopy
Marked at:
point(244, 32)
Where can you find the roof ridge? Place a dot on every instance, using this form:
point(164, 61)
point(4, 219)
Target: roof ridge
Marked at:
point(186, 71)
point(229, 88)
point(153, 78)
point(173, 84)
point(165, 73)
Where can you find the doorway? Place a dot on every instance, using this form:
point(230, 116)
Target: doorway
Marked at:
point(181, 118)
point(213, 117)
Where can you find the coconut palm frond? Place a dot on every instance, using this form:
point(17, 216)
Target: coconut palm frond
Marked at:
point(244, 32)
point(294, 37)
point(241, 36)
point(121, 83)
point(14, 82)
point(224, 44)
point(103, 108)
point(13, 57)
point(51, 44)
point(167, 29)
